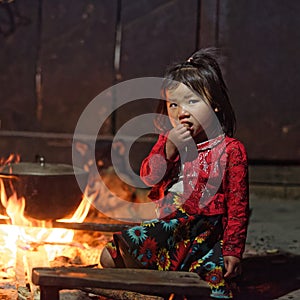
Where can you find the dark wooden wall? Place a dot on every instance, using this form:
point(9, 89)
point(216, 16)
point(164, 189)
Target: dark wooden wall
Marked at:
point(60, 55)
point(263, 72)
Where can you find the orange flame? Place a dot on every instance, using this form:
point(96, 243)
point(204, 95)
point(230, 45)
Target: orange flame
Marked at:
point(27, 242)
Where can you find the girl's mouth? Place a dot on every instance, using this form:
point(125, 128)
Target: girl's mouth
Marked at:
point(188, 125)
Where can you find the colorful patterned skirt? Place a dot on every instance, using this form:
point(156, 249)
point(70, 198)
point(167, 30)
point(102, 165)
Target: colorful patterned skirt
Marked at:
point(178, 241)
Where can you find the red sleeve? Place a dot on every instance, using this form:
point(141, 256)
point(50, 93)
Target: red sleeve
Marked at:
point(156, 167)
point(236, 189)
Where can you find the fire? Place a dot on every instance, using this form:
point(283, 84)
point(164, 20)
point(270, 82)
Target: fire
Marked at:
point(12, 158)
point(8, 238)
point(27, 243)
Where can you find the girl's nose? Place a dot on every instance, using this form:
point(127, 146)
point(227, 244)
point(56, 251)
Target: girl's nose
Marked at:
point(182, 112)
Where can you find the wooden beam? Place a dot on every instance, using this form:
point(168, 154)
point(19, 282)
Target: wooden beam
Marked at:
point(208, 23)
point(152, 282)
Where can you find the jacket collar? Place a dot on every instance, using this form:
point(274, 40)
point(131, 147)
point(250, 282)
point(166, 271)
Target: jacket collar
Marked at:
point(209, 144)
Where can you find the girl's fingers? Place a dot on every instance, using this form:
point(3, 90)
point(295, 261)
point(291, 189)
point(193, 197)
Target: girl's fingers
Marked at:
point(182, 132)
point(181, 129)
point(180, 135)
point(186, 134)
point(229, 270)
point(232, 271)
point(232, 266)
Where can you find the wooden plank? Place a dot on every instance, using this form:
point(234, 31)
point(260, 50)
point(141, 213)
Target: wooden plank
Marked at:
point(17, 61)
point(49, 293)
point(76, 60)
point(208, 33)
point(262, 75)
point(136, 280)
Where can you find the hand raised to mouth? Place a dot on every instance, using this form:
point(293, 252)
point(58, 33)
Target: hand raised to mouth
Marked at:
point(179, 137)
point(187, 125)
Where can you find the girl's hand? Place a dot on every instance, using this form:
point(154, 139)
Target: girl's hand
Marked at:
point(232, 266)
point(179, 137)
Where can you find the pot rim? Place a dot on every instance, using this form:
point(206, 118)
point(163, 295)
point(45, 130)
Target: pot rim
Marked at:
point(37, 169)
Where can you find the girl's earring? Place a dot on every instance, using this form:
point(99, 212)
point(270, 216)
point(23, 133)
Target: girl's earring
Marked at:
point(216, 109)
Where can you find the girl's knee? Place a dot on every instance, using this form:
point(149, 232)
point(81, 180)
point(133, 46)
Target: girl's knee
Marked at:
point(106, 260)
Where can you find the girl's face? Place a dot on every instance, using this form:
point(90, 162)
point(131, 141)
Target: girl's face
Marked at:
point(190, 109)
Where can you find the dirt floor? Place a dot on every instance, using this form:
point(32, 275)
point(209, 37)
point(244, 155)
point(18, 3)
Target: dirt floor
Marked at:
point(271, 268)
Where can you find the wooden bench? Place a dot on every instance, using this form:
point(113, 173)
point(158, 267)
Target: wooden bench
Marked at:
point(151, 282)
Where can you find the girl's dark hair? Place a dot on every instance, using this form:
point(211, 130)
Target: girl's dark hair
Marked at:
point(201, 73)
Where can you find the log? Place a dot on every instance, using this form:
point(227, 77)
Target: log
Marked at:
point(102, 227)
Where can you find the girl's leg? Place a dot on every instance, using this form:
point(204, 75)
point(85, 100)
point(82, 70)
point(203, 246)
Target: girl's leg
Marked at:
point(106, 259)
point(212, 271)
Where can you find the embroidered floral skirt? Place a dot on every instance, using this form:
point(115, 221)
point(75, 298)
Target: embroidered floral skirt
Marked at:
point(177, 242)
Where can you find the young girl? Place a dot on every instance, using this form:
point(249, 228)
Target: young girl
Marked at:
point(199, 178)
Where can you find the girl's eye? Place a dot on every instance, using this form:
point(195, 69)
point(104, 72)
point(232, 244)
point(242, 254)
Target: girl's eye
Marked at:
point(193, 101)
point(172, 105)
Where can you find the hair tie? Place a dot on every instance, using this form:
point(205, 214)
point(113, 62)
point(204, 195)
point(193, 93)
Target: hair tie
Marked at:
point(190, 59)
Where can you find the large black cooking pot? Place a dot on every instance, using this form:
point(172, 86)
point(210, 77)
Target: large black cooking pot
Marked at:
point(51, 190)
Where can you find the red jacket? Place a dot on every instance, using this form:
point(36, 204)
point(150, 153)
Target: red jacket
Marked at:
point(216, 182)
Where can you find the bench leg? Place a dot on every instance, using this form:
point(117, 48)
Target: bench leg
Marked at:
point(49, 293)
